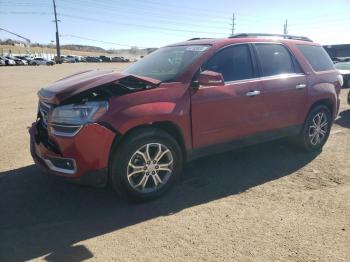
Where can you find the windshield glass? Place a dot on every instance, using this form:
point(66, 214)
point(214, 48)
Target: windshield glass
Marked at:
point(167, 63)
point(343, 66)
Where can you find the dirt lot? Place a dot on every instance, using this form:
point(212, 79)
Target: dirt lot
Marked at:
point(263, 203)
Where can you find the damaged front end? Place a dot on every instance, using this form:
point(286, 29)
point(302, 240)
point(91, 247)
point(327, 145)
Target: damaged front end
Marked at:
point(67, 139)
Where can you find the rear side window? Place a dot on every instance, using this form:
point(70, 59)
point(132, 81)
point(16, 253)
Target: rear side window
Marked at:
point(275, 59)
point(317, 57)
point(233, 62)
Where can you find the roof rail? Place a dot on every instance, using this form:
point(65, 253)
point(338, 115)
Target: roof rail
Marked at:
point(198, 38)
point(294, 37)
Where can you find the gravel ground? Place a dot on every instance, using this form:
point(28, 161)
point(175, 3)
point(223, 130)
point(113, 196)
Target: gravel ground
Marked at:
point(267, 202)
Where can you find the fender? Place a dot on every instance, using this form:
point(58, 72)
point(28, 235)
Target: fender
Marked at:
point(158, 105)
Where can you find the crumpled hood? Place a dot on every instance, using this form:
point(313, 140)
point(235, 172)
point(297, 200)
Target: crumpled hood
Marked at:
point(83, 81)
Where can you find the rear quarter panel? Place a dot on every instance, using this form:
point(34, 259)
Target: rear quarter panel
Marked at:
point(322, 85)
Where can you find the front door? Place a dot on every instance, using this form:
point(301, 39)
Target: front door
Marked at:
point(224, 113)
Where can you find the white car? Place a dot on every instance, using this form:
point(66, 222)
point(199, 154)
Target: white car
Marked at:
point(70, 59)
point(41, 61)
point(7, 61)
point(344, 70)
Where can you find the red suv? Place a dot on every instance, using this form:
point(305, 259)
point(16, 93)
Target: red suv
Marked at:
point(136, 128)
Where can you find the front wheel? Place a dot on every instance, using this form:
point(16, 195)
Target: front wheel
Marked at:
point(316, 129)
point(146, 164)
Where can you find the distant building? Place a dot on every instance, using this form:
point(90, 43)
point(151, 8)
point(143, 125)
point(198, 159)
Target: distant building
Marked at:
point(338, 50)
point(19, 44)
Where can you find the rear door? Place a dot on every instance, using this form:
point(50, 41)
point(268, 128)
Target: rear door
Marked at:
point(284, 86)
point(223, 113)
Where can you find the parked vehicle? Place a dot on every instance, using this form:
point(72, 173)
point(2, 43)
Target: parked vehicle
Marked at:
point(25, 58)
point(69, 59)
point(93, 59)
point(135, 129)
point(8, 61)
point(336, 60)
point(344, 69)
point(41, 61)
point(105, 58)
point(2, 62)
point(17, 60)
point(117, 59)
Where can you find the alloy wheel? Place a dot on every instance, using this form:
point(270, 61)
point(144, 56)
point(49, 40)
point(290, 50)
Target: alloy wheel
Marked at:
point(318, 129)
point(150, 167)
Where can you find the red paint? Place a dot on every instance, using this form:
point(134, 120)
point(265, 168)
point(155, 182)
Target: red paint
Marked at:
point(90, 148)
point(211, 114)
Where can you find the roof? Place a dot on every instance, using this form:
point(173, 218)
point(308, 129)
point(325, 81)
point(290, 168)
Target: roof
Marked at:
point(247, 38)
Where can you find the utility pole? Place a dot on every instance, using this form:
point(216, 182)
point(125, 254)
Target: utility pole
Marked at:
point(285, 27)
point(58, 56)
point(233, 24)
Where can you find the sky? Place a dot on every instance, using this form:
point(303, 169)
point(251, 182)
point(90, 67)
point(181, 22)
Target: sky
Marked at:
point(154, 23)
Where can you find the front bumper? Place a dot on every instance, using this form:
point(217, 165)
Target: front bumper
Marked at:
point(82, 158)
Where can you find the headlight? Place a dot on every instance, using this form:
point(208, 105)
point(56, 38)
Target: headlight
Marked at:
point(79, 114)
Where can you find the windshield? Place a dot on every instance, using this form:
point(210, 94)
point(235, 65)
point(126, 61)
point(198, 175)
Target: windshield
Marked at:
point(167, 63)
point(343, 66)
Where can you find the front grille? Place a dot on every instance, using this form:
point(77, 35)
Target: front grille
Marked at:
point(44, 110)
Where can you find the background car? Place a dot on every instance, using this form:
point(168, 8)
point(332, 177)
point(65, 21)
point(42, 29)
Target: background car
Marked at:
point(344, 69)
point(25, 58)
point(336, 60)
point(105, 58)
point(41, 61)
point(2, 62)
point(69, 59)
point(93, 59)
point(117, 59)
point(8, 61)
point(18, 61)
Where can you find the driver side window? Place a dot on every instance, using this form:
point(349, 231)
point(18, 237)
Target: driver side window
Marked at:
point(233, 62)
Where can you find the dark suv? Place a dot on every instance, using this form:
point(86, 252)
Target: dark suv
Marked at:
point(136, 128)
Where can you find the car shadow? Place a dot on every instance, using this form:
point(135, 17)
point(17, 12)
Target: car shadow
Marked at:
point(42, 215)
point(344, 119)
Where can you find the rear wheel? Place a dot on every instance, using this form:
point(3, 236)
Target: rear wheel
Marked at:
point(146, 164)
point(316, 129)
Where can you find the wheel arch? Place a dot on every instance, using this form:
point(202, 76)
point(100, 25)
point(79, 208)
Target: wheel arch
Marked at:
point(169, 127)
point(325, 102)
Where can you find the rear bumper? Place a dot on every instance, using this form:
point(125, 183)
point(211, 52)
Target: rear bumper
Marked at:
point(82, 158)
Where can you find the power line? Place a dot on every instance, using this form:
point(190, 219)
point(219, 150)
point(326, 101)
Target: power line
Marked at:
point(98, 41)
point(153, 18)
point(137, 25)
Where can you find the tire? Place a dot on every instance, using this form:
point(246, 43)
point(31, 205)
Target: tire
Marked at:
point(151, 178)
point(316, 129)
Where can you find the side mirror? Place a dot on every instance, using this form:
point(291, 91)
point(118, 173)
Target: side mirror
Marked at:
point(210, 78)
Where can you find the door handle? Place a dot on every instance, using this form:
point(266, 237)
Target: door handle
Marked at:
point(300, 86)
point(253, 93)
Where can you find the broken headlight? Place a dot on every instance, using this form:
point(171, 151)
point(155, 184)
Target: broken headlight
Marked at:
point(68, 119)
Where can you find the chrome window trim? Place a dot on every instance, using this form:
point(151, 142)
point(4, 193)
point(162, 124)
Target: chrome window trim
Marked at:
point(280, 76)
point(259, 78)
